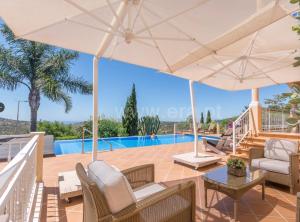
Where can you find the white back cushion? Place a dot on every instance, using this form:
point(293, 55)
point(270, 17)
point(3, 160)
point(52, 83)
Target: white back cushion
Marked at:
point(113, 184)
point(280, 149)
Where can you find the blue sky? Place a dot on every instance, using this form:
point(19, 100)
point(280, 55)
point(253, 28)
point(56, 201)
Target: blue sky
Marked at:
point(157, 93)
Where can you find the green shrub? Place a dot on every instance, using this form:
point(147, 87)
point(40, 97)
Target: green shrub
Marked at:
point(149, 125)
point(57, 129)
point(67, 137)
point(106, 128)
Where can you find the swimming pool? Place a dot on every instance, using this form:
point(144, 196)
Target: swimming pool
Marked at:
point(75, 146)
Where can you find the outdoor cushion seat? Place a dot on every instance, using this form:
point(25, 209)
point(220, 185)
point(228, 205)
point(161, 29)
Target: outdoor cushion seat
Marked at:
point(171, 206)
point(276, 166)
point(147, 190)
point(113, 184)
point(4, 218)
point(156, 203)
point(281, 159)
point(280, 149)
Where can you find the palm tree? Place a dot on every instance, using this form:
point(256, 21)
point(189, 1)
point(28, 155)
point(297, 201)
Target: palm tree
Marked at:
point(41, 68)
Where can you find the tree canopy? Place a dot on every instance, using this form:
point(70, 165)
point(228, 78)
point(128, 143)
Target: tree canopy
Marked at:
point(43, 69)
point(130, 117)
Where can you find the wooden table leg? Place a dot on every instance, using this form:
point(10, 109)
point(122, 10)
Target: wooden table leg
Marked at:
point(263, 191)
point(235, 210)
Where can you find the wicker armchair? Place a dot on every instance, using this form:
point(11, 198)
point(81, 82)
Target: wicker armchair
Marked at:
point(290, 179)
point(176, 204)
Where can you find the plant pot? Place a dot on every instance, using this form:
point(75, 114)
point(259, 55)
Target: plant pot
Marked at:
point(236, 172)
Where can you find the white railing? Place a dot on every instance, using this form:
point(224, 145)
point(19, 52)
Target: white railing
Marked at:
point(10, 149)
point(274, 120)
point(18, 184)
point(240, 129)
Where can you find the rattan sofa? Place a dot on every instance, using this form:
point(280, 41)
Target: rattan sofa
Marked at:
point(174, 204)
point(290, 163)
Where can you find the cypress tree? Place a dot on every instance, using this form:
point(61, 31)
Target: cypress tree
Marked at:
point(208, 117)
point(202, 118)
point(130, 117)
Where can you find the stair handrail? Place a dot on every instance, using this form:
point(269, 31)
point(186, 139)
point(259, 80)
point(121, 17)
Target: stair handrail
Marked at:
point(236, 139)
point(83, 135)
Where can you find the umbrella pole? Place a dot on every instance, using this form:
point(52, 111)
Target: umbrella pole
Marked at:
point(194, 119)
point(95, 107)
point(115, 24)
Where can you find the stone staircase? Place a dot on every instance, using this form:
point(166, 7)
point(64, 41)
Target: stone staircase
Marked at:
point(259, 142)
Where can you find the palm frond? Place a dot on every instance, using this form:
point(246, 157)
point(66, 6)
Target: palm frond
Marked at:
point(53, 91)
point(76, 85)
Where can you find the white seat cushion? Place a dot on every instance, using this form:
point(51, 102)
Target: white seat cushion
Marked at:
point(280, 149)
point(113, 184)
point(147, 190)
point(277, 166)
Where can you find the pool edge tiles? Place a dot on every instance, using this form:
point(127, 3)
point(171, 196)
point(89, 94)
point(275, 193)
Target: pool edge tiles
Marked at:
point(63, 147)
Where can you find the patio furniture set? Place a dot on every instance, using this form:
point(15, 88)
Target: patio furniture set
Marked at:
point(132, 195)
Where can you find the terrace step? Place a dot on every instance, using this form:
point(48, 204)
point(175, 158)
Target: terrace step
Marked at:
point(252, 144)
point(256, 139)
point(241, 156)
point(293, 136)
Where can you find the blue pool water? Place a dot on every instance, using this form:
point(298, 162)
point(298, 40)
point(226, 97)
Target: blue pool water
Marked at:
point(75, 146)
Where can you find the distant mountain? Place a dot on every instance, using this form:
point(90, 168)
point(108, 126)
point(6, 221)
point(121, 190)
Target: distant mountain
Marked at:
point(10, 126)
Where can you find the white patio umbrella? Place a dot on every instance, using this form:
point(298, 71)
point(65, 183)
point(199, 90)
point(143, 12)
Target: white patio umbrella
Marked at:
point(227, 44)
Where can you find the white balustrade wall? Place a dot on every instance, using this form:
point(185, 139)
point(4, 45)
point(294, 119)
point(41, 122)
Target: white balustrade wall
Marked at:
point(18, 184)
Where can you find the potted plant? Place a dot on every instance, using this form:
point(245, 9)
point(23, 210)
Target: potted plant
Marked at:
point(236, 167)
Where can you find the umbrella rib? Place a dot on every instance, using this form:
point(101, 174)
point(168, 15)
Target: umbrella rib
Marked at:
point(155, 43)
point(56, 23)
point(129, 15)
point(244, 63)
point(137, 14)
point(227, 67)
point(187, 35)
point(221, 69)
point(40, 29)
point(93, 27)
point(170, 17)
point(264, 73)
point(115, 14)
point(162, 38)
point(280, 59)
point(88, 13)
point(114, 47)
point(192, 39)
point(172, 25)
point(143, 43)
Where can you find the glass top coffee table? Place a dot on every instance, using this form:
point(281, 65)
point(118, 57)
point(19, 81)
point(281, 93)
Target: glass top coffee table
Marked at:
point(233, 186)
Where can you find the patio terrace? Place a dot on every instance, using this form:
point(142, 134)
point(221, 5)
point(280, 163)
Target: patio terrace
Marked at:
point(279, 204)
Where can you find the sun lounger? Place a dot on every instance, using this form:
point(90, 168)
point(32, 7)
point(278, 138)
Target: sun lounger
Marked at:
point(218, 146)
point(69, 185)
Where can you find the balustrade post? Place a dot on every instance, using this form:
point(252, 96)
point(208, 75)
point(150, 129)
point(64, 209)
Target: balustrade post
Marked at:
point(39, 155)
point(282, 121)
point(82, 142)
point(234, 139)
point(269, 120)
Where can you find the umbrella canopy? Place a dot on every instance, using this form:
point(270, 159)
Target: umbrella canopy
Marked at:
point(226, 44)
point(230, 44)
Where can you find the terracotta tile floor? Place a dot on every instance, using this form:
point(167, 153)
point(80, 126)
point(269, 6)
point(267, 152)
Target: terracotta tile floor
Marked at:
point(279, 205)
